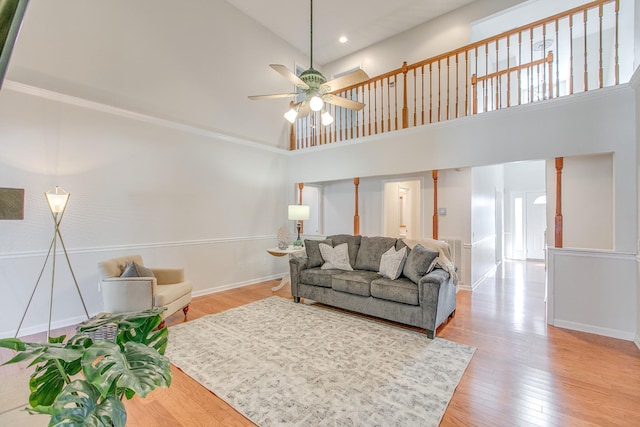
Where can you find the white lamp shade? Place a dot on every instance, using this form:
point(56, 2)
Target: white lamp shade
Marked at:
point(327, 118)
point(291, 115)
point(57, 199)
point(298, 212)
point(316, 103)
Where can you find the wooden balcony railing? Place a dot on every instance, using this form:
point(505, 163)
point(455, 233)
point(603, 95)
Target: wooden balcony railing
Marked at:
point(574, 51)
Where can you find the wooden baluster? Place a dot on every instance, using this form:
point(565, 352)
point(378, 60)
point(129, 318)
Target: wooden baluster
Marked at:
point(531, 68)
point(570, 54)
point(422, 97)
point(439, 92)
point(466, 83)
point(369, 109)
point(447, 89)
point(358, 114)
point(617, 58)
point(300, 187)
point(474, 90)
point(395, 102)
point(382, 103)
point(557, 59)
point(292, 134)
point(431, 109)
point(586, 75)
point(600, 75)
point(375, 104)
point(415, 98)
point(457, 85)
point(550, 62)
point(434, 175)
point(519, 73)
point(405, 102)
point(485, 83)
point(509, 73)
point(558, 219)
point(356, 217)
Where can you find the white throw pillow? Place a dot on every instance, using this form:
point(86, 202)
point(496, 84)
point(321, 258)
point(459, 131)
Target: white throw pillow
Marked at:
point(337, 258)
point(392, 262)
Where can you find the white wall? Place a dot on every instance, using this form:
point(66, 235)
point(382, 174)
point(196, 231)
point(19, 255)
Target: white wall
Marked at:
point(138, 185)
point(193, 62)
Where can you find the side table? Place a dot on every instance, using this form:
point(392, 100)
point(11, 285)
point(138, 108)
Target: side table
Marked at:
point(292, 251)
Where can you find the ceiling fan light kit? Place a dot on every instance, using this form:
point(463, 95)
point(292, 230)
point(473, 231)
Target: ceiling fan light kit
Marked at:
point(315, 90)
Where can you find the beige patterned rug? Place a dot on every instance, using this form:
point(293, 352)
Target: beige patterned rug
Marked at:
point(285, 364)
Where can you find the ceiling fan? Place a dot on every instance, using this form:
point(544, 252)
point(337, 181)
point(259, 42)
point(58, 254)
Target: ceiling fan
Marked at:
point(315, 89)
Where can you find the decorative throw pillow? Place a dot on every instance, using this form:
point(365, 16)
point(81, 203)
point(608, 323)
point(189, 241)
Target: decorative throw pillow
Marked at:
point(313, 251)
point(419, 262)
point(133, 269)
point(337, 258)
point(392, 262)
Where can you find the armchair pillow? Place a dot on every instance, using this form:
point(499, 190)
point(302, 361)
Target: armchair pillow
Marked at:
point(392, 262)
point(335, 258)
point(133, 269)
point(419, 262)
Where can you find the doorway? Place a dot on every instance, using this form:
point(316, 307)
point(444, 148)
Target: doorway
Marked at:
point(402, 209)
point(529, 223)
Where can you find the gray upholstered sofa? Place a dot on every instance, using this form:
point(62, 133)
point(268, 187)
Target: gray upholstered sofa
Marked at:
point(421, 300)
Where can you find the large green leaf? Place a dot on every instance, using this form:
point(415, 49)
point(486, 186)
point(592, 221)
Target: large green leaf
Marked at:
point(79, 405)
point(138, 368)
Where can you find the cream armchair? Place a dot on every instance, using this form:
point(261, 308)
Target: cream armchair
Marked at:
point(168, 288)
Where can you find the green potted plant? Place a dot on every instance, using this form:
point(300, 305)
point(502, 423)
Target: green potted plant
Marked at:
point(81, 381)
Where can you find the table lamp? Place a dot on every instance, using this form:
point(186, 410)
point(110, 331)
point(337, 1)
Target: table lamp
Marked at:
point(298, 213)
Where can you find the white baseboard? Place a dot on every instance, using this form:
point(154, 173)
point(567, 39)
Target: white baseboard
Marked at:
point(606, 332)
point(637, 342)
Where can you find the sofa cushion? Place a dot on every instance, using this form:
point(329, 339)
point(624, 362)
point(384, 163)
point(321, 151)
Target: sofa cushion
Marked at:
point(402, 290)
point(419, 262)
point(336, 258)
point(371, 250)
point(318, 277)
point(392, 263)
point(353, 242)
point(133, 269)
point(354, 282)
point(313, 252)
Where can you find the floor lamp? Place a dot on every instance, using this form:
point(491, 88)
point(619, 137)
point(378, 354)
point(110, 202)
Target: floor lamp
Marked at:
point(57, 200)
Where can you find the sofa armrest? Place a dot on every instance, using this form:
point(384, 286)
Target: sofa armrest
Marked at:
point(437, 294)
point(296, 265)
point(168, 276)
point(125, 294)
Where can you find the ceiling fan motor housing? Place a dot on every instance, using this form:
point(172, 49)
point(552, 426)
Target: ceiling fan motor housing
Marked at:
point(314, 79)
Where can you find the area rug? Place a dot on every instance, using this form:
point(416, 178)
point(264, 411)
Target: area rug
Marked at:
point(285, 364)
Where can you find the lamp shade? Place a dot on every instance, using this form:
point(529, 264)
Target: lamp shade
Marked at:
point(57, 199)
point(298, 212)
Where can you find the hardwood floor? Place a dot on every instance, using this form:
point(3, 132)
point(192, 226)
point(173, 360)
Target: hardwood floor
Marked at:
point(523, 373)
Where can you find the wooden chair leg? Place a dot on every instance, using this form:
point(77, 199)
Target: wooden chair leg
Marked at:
point(185, 310)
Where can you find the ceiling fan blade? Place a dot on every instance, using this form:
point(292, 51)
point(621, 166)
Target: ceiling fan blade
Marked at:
point(289, 75)
point(353, 78)
point(343, 102)
point(274, 96)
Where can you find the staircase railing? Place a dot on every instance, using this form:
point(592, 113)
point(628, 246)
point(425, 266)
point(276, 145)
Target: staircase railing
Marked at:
point(573, 51)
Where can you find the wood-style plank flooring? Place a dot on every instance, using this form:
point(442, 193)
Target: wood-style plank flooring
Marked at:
point(524, 373)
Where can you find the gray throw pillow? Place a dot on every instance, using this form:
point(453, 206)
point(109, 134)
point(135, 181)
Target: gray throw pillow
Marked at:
point(419, 262)
point(371, 250)
point(392, 263)
point(133, 269)
point(313, 252)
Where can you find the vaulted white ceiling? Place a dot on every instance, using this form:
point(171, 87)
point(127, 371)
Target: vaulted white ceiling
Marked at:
point(363, 22)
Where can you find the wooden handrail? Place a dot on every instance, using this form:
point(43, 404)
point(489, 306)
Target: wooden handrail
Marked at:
point(471, 79)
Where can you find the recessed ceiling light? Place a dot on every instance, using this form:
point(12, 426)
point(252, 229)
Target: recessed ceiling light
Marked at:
point(343, 39)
